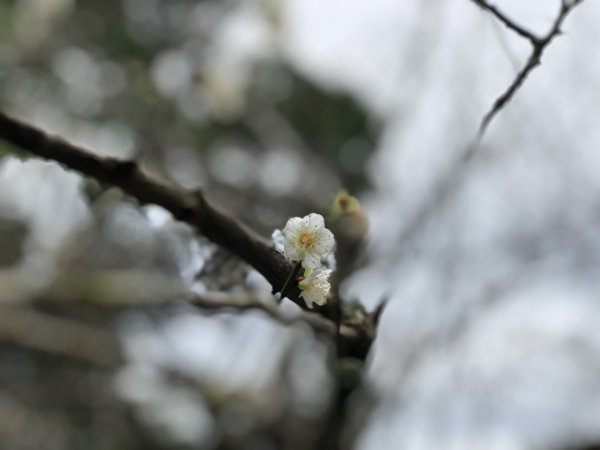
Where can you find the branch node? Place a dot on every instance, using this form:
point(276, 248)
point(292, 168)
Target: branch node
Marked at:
point(539, 44)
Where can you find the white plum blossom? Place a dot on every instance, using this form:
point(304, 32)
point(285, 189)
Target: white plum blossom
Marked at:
point(278, 240)
point(315, 287)
point(307, 240)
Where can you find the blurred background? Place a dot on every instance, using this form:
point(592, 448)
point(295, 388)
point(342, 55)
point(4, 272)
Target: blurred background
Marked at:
point(490, 336)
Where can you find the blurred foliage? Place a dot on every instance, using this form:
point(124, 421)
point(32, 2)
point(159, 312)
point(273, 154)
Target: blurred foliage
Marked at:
point(107, 65)
point(163, 82)
point(13, 234)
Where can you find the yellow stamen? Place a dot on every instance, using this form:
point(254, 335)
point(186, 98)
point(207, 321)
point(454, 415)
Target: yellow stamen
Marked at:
point(306, 239)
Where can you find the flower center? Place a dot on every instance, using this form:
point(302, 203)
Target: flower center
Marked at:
point(306, 239)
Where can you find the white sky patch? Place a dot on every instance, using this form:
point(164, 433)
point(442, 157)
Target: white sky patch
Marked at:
point(46, 196)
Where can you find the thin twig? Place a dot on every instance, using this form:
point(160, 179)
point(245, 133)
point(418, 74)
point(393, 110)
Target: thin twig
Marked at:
point(509, 23)
point(538, 44)
point(24, 326)
point(245, 301)
point(450, 180)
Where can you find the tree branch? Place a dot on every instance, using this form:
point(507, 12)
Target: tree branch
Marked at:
point(244, 301)
point(39, 331)
point(538, 44)
point(509, 23)
point(191, 207)
point(450, 179)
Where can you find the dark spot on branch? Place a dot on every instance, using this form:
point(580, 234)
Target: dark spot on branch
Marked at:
point(123, 169)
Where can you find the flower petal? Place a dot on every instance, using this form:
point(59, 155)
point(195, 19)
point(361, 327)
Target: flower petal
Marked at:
point(320, 300)
point(292, 251)
point(311, 259)
point(325, 241)
point(316, 287)
point(315, 221)
point(307, 299)
point(293, 226)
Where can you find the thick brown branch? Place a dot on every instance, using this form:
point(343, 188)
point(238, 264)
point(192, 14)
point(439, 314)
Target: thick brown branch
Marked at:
point(191, 207)
point(538, 44)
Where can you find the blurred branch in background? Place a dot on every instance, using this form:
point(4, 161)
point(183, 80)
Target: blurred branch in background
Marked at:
point(454, 175)
point(39, 331)
point(243, 301)
point(538, 44)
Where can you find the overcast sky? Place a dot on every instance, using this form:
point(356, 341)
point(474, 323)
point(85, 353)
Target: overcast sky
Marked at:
point(490, 337)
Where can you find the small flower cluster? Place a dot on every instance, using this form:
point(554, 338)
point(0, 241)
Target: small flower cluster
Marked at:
point(307, 241)
point(315, 286)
